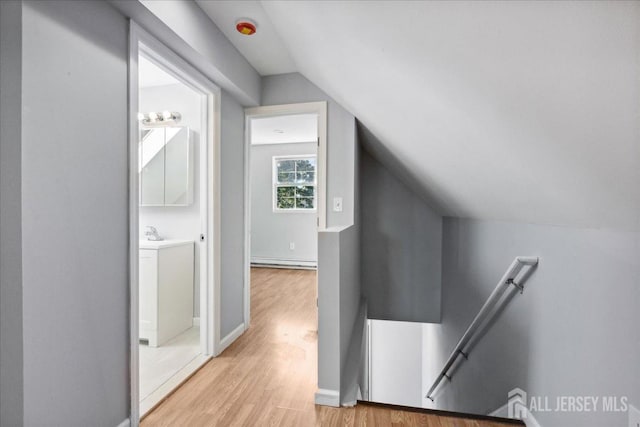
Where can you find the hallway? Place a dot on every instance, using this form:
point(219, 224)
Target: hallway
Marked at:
point(268, 376)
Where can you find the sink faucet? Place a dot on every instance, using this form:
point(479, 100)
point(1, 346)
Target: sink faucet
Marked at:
point(152, 234)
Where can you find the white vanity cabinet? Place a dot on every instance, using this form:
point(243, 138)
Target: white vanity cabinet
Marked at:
point(166, 289)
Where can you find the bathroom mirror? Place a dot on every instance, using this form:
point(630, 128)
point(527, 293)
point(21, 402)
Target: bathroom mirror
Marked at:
point(165, 166)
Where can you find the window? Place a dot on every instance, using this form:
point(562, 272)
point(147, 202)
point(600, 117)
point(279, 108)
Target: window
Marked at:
point(294, 183)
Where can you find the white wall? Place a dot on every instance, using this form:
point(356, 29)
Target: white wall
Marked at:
point(75, 214)
point(396, 362)
point(272, 232)
point(178, 222)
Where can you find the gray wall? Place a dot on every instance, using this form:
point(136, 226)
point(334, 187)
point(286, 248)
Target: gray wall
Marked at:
point(232, 215)
point(341, 139)
point(75, 214)
point(11, 413)
point(401, 248)
point(271, 232)
point(574, 331)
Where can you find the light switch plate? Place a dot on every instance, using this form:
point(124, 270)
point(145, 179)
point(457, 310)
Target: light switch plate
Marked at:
point(337, 204)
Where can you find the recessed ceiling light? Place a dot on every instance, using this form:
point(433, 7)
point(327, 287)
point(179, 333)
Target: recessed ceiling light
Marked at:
point(246, 27)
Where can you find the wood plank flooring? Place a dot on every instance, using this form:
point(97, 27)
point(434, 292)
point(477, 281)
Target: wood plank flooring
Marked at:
point(268, 376)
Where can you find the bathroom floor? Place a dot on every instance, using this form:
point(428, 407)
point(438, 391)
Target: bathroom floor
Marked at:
point(158, 365)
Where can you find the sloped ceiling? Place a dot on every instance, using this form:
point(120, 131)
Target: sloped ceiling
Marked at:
point(519, 111)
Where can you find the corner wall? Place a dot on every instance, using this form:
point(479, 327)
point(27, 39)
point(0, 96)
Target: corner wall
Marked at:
point(401, 248)
point(574, 331)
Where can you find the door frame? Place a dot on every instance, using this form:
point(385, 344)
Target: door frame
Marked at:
point(142, 42)
point(319, 108)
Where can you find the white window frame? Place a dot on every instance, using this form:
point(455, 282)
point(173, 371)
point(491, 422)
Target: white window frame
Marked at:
point(275, 184)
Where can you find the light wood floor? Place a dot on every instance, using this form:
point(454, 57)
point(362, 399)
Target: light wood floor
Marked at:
point(268, 376)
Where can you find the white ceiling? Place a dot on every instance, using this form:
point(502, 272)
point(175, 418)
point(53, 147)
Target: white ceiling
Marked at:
point(522, 111)
point(151, 75)
point(264, 49)
point(284, 129)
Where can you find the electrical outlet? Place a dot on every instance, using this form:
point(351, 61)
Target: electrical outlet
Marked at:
point(634, 417)
point(337, 204)
point(292, 246)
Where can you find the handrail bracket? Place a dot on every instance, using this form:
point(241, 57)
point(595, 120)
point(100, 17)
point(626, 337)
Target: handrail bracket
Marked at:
point(513, 282)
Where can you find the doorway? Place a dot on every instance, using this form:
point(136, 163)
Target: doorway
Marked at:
point(174, 217)
point(285, 187)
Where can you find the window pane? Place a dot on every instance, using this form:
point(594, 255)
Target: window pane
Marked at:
point(286, 177)
point(306, 164)
point(295, 183)
point(286, 203)
point(306, 177)
point(304, 203)
point(286, 192)
point(286, 165)
point(305, 191)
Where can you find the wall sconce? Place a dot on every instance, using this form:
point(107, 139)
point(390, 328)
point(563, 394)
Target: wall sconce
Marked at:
point(166, 118)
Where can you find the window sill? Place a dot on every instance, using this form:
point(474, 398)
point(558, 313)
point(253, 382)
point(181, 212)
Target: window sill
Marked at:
point(298, 211)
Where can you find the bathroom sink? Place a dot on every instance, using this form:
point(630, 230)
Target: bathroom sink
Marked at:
point(150, 244)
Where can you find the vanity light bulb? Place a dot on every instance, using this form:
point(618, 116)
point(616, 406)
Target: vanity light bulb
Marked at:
point(167, 115)
point(153, 117)
point(140, 116)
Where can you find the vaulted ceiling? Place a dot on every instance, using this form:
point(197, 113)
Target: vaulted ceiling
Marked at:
point(520, 111)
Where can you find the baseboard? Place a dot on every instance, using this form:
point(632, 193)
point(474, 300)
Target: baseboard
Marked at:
point(125, 423)
point(196, 321)
point(327, 397)
point(503, 412)
point(257, 262)
point(231, 337)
